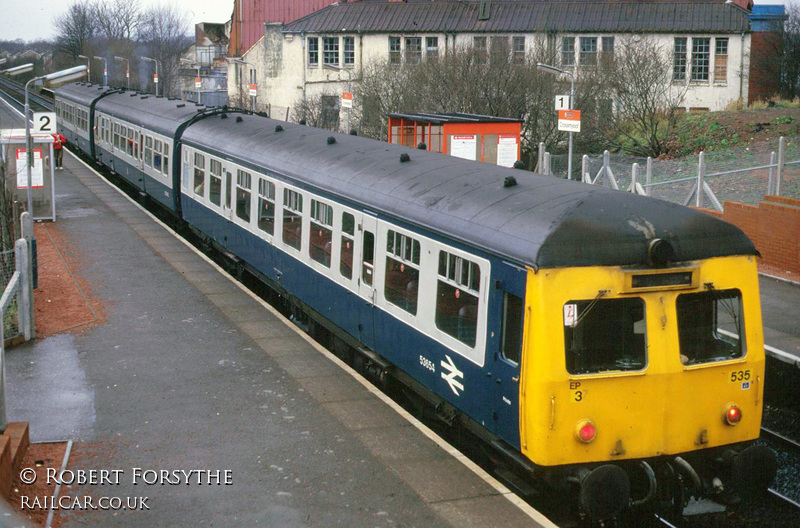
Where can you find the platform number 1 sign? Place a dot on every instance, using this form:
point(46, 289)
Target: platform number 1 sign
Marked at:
point(562, 102)
point(44, 122)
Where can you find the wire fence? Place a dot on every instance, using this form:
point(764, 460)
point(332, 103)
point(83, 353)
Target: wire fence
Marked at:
point(740, 174)
point(11, 327)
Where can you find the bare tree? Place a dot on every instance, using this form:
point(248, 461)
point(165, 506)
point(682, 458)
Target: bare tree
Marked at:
point(118, 20)
point(646, 100)
point(790, 64)
point(164, 33)
point(76, 27)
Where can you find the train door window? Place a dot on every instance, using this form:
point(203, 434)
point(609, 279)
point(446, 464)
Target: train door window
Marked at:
point(199, 174)
point(321, 236)
point(457, 297)
point(228, 188)
point(603, 335)
point(148, 151)
point(710, 326)
point(243, 195)
point(215, 181)
point(401, 286)
point(165, 158)
point(292, 218)
point(137, 142)
point(157, 156)
point(368, 258)
point(266, 206)
point(348, 241)
point(512, 326)
point(116, 135)
point(131, 138)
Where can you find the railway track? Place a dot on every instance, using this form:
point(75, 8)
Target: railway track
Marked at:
point(16, 93)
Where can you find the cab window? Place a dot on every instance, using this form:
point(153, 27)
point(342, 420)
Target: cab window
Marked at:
point(710, 326)
point(511, 331)
point(604, 335)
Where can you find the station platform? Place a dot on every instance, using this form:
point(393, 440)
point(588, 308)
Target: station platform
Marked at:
point(189, 371)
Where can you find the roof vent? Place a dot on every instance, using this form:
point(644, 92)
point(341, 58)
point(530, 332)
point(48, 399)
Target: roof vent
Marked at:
point(278, 128)
point(145, 97)
point(660, 252)
point(510, 181)
point(484, 9)
point(404, 157)
point(239, 119)
point(519, 164)
point(181, 105)
point(354, 132)
point(223, 116)
point(302, 122)
point(331, 140)
point(422, 146)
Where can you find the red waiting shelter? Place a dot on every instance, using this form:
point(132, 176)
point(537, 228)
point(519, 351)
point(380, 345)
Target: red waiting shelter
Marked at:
point(469, 136)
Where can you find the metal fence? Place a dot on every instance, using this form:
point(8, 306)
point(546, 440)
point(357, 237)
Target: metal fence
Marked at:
point(742, 174)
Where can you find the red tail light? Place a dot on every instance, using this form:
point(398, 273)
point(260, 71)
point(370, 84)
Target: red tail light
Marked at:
point(585, 431)
point(733, 415)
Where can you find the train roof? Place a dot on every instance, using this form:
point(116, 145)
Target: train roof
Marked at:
point(82, 93)
point(542, 221)
point(156, 113)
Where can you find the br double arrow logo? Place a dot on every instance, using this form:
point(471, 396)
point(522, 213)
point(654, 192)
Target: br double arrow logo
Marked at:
point(452, 375)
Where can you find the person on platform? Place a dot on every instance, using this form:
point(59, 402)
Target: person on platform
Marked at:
point(58, 150)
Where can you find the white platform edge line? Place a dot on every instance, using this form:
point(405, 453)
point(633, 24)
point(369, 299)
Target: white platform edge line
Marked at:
point(526, 508)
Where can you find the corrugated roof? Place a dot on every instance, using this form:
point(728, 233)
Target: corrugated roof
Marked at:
point(526, 17)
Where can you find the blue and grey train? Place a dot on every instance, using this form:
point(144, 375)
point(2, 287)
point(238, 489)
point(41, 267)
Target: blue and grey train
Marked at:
point(610, 342)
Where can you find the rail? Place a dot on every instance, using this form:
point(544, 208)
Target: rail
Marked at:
point(16, 91)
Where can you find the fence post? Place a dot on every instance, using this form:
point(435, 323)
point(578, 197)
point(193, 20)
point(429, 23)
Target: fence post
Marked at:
point(25, 298)
point(773, 163)
point(540, 159)
point(781, 164)
point(26, 220)
point(634, 177)
point(649, 175)
point(546, 164)
point(701, 172)
point(585, 176)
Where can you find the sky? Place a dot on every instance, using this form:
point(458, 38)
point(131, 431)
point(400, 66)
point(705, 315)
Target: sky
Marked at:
point(33, 19)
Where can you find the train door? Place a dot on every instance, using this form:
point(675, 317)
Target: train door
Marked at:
point(228, 192)
point(506, 347)
point(366, 279)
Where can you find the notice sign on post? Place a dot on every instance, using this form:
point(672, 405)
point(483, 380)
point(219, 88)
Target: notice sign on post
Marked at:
point(569, 120)
point(253, 90)
point(347, 100)
point(198, 82)
point(37, 174)
point(507, 150)
point(44, 122)
point(155, 78)
point(464, 146)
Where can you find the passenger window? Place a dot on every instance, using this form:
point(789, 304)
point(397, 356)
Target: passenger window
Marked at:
point(215, 182)
point(148, 151)
point(401, 286)
point(243, 195)
point(321, 238)
point(157, 156)
point(266, 206)
point(710, 326)
point(348, 241)
point(165, 160)
point(292, 218)
point(512, 327)
point(199, 174)
point(604, 335)
point(368, 258)
point(457, 296)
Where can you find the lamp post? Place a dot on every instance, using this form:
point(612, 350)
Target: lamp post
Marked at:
point(127, 70)
point(105, 69)
point(349, 80)
point(88, 67)
point(558, 71)
point(252, 78)
point(60, 76)
point(155, 79)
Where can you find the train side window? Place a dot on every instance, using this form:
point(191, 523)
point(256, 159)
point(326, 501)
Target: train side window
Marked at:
point(199, 174)
point(368, 258)
point(605, 335)
point(148, 151)
point(243, 195)
point(457, 297)
point(215, 182)
point(228, 188)
point(266, 206)
point(348, 241)
point(512, 327)
point(157, 156)
point(165, 159)
point(401, 286)
point(292, 218)
point(710, 326)
point(321, 236)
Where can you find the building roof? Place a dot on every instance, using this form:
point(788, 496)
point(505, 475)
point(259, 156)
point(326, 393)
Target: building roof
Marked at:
point(507, 16)
point(438, 119)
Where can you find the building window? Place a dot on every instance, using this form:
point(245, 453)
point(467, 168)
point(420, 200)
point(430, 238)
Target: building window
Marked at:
point(588, 51)
point(607, 51)
point(679, 60)
point(721, 60)
point(292, 218)
point(321, 238)
point(330, 51)
point(402, 271)
point(243, 195)
point(348, 242)
point(413, 50)
point(518, 50)
point(499, 49)
point(457, 297)
point(431, 48)
point(568, 51)
point(701, 55)
point(479, 46)
point(349, 45)
point(394, 51)
point(266, 206)
point(313, 51)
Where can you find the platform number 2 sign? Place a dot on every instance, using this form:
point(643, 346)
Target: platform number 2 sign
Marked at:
point(44, 122)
